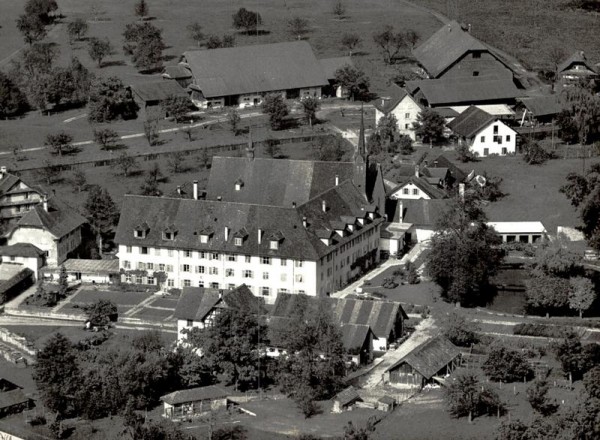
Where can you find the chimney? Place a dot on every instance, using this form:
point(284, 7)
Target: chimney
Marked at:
point(179, 189)
point(417, 172)
point(219, 198)
point(324, 206)
point(469, 28)
point(220, 293)
point(45, 203)
point(337, 180)
point(226, 233)
point(294, 205)
point(461, 191)
point(2, 172)
point(304, 222)
point(401, 212)
point(195, 190)
point(259, 235)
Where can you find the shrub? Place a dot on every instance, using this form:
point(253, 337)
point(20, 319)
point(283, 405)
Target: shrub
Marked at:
point(543, 330)
point(459, 330)
point(506, 365)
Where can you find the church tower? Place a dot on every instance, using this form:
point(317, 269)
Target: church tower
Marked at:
point(361, 159)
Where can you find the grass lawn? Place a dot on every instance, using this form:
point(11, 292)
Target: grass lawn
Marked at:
point(424, 293)
point(39, 334)
point(146, 313)
point(120, 298)
point(169, 303)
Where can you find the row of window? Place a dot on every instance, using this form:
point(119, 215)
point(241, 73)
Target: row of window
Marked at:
point(415, 191)
point(497, 139)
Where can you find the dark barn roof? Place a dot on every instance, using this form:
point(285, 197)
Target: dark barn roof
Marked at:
point(209, 392)
point(348, 396)
point(578, 58)
point(12, 398)
point(418, 212)
point(158, 90)
point(542, 105)
point(21, 250)
point(354, 336)
point(430, 357)
point(258, 68)
point(470, 122)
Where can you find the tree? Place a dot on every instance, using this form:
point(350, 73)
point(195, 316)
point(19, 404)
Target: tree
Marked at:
point(32, 28)
point(537, 395)
point(189, 131)
point(582, 294)
point(151, 181)
point(350, 42)
point(57, 374)
point(234, 121)
point(465, 396)
point(547, 293)
point(459, 330)
point(556, 55)
point(101, 312)
point(511, 430)
point(352, 79)
point(229, 433)
point(177, 107)
point(274, 105)
point(390, 43)
point(387, 127)
point(82, 80)
point(352, 432)
point(109, 100)
point(569, 352)
point(106, 138)
point(464, 153)
point(60, 143)
point(63, 282)
point(41, 9)
point(339, 9)
point(141, 9)
point(204, 160)
point(60, 86)
point(310, 106)
point(12, 100)
point(99, 49)
point(506, 365)
point(412, 38)
point(464, 253)
point(101, 212)
point(151, 131)
point(49, 172)
point(176, 162)
point(584, 109)
point(429, 126)
point(271, 148)
point(214, 42)
point(490, 190)
point(297, 27)
point(126, 163)
point(328, 148)
point(245, 19)
point(533, 152)
point(77, 29)
point(591, 381)
point(149, 56)
point(144, 43)
point(555, 259)
point(195, 32)
point(79, 180)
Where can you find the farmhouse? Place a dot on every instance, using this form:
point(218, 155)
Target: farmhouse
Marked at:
point(435, 357)
point(576, 69)
point(23, 254)
point(152, 94)
point(16, 196)
point(535, 110)
point(194, 402)
point(452, 52)
point(427, 185)
point(398, 102)
point(52, 226)
point(484, 133)
point(242, 76)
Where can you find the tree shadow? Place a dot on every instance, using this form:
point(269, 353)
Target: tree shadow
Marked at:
point(170, 57)
point(113, 63)
point(255, 32)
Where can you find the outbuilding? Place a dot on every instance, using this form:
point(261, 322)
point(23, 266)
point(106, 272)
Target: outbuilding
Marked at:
point(346, 400)
point(386, 403)
point(194, 402)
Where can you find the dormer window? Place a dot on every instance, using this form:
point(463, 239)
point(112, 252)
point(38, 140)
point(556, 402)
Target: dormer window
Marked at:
point(139, 234)
point(238, 184)
point(273, 245)
point(274, 240)
point(361, 221)
point(205, 235)
point(326, 241)
point(371, 215)
point(204, 238)
point(169, 233)
point(141, 230)
point(238, 241)
point(350, 228)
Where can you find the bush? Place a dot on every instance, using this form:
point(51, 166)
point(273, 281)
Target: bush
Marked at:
point(459, 330)
point(506, 365)
point(543, 330)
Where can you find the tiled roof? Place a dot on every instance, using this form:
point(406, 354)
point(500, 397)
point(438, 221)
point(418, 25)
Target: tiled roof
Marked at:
point(430, 357)
point(331, 65)
point(7, 182)
point(91, 266)
point(577, 58)
point(177, 72)
point(209, 392)
point(258, 68)
point(196, 303)
point(273, 182)
point(445, 47)
point(542, 105)
point(470, 122)
point(389, 99)
point(347, 396)
point(418, 212)
point(469, 90)
point(21, 250)
point(12, 398)
point(354, 336)
point(158, 90)
point(380, 316)
point(424, 185)
point(59, 220)
point(190, 217)
point(442, 161)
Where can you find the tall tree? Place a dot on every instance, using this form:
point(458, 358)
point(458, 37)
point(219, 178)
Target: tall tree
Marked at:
point(234, 119)
point(176, 162)
point(387, 126)
point(506, 365)
point(537, 395)
point(60, 143)
point(310, 106)
point(126, 163)
point(12, 100)
point(352, 79)
point(429, 126)
point(143, 41)
point(77, 29)
point(465, 396)
point(275, 106)
point(298, 27)
point(582, 294)
point(99, 49)
point(101, 213)
point(584, 108)
point(32, 28)
point(141, 9)
point(195, 31)
point(248, 20)
point(79, 180)
point(41, 9)
point(464, 252)
point(109, 100)
point(350, 42)
point(390, 43)
point(106, 138)
point(151, 181)
point(328, 148)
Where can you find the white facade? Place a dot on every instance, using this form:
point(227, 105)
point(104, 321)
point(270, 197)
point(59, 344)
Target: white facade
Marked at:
point(410, 191)
point(33, 263)
point(246, 100)
point(56, 249)
point(406, 113)
point(497, 138)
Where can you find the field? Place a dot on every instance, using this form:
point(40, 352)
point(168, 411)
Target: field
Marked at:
point(528, 30)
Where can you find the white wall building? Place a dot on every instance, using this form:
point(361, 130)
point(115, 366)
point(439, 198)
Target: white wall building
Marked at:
point(398, 102)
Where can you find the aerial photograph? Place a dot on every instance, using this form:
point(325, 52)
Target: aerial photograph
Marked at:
point(300, 219)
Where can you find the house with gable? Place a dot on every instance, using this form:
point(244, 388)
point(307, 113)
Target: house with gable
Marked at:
point(330, 67)
point(16, 196)
point(483, 133)
point(422, 185)
point(398, 102)
point(53, 227)
point(576, 69)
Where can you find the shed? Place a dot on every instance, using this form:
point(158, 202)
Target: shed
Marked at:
point(386, 403)
point(154, 92)
point(12, 399)
point(435, 357)
point(194, 402)
point(345, 400)
point(86, 271)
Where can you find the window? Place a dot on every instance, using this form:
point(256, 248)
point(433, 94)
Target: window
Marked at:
point(187, 283)
point(282, 291)
point(407, 126)
point(247, 274)
point(200, 283)
point(139, 280)
point(406, 115)
point(504, 150)
point(150, 266)
point(213, 271)
point(126, 264)
point(204, 238)
point(298, 263)
point(170, 252)
point(187, 254)
point(405, 191)
point(265, 260)
point(150, 280)
point(302, 292)
point(230, 286)
point(128, 249)
point(214, 285)
point(214, 256)
point(202, 254)
point(482, 139)
point(475, 73)
point(171, 282)
point(415, 191)
point(190, 322)
point(486, 151)
point(128, 278)
point(283, 262)
point(299, 278)
point(265, 275)
point(229, 272)
point(185, 267)
point(199, 269)
point(274, 244)
point(495, 129)
point(247, 258)
point(168, 236)
point(140, 234)
point(265, 291)
point(141, 266)
point(238, 241)
point(508, 138)
point(283, 277)
point(169, 268)
point(231, 257)
point(476, 54)
point(161, 267)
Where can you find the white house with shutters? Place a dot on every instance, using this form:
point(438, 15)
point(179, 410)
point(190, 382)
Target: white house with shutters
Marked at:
point(396, 101)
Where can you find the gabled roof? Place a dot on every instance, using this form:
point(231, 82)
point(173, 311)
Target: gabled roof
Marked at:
point(380, 316)
point(420, 212)
point(209, 392)
point(577, 58)
point(442, 161)
point(275, 182)
point(21, 250)
point(332, 65)
point(258, 68)
point(430, 357)
point(347, 396)
point(196, 303)
point(467, 90)
point(177, 72)
point(542, 105)
point(424, 185)
point(470, 122)
point(389, 99)
point(354, 336)
point(158, 90)
point(12, 398)
point(445, 47)
point(59, 220)
point(7, 182)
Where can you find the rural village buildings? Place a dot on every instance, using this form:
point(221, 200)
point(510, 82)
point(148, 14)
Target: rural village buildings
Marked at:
point(576, 69)
point(16, 196)
point(396, 101)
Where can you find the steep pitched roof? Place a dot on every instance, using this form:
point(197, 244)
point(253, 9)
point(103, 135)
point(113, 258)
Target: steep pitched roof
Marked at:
point(209, 392)
point(59, 220)
point(21, 250)
point(275, 182)
point(331, 65)
point(418, 212)
point(470, 122)
point(424, 185)
point(542, 105)
point(468, 90)
point(354, 336)
point(7, 182)
point(577, 58)
point(389, 99)
point(158, 90)
point(380, 316)
point(445, 47)
point(442, 161)
point(430, 357)
point(177, 72)
point(259, 68)
point(12, 398)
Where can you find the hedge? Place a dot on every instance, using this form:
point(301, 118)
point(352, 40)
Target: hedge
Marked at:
point(544, 330)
